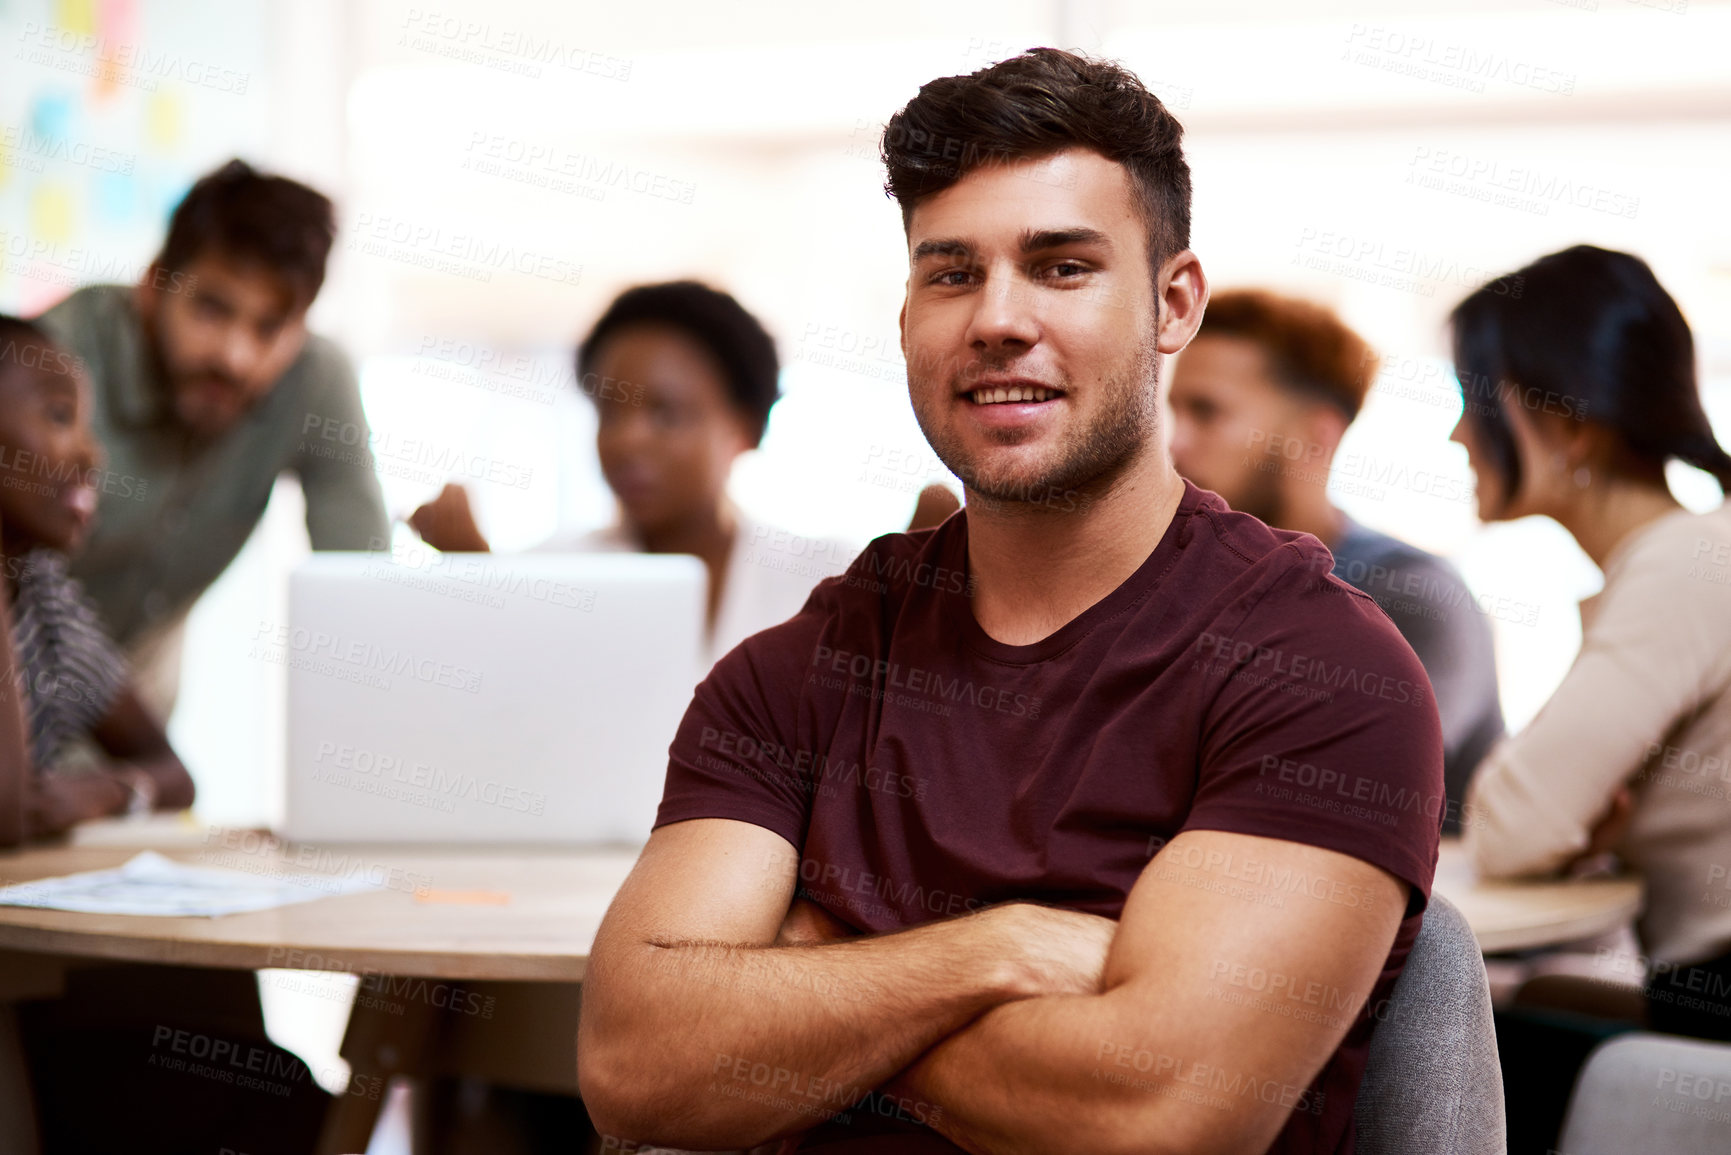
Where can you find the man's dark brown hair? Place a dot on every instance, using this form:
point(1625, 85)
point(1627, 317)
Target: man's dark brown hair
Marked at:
point(254, 218)
point(1310, 351)
point(1038, 103)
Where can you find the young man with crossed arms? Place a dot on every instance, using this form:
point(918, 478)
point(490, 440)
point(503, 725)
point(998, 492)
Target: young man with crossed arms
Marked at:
point(965, 944)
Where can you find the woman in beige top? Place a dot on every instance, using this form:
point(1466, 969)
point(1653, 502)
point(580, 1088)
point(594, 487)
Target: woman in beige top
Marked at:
point(1578, 375)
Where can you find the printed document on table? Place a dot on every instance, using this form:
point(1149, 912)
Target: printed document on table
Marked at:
point(150, 884)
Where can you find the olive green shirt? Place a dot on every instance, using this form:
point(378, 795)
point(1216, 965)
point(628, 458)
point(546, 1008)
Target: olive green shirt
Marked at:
point(173, 513)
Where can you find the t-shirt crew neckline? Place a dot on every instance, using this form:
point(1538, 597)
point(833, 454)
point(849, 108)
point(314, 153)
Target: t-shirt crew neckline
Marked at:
point(1141, 582)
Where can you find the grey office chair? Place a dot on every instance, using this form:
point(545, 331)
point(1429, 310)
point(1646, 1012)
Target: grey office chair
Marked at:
point(1432, 1083)
point(1647, 1092)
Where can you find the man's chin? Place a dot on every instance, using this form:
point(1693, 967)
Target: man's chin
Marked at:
point(1032, 486)
point(207, 424)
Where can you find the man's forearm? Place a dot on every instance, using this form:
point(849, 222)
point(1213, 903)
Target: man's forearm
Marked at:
point(736, 1045)
point(1079, 1073)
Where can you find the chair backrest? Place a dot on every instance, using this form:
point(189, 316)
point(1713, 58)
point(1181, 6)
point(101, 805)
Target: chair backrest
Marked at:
point(1432, 1082)
point(1646, 1092)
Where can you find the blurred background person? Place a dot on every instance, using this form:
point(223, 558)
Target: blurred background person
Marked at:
point(207, 386)
point(75, 683)
point(683, 379)
point(1578, 390)
point(1260, 401)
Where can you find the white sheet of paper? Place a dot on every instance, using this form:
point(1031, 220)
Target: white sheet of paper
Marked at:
point(150, 884)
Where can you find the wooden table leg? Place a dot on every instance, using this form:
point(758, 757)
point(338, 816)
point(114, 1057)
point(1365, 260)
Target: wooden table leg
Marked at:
point(23, 975)
point(17, 1101)
point(384, 1038)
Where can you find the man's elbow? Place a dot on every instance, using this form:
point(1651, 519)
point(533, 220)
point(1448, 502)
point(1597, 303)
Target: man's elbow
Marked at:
point(618, 1098)
point(662, 1101)
point(615, 1095)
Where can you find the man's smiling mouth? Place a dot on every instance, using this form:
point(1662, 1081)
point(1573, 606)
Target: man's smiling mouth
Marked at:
point(1005, 393)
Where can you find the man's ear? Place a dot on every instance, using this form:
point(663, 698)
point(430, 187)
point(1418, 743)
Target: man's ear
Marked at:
point(902, 326)
point(1183, 289)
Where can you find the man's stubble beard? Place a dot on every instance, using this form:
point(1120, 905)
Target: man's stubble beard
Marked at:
point(1262, 497)
point(1089, 461)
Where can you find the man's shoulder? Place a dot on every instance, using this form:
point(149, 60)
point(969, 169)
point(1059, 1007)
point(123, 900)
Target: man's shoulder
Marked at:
point(90, 316)
point(319, 383)
point(1244, 549)
point(323, 364)
point(91, 301)
point(1284, 592)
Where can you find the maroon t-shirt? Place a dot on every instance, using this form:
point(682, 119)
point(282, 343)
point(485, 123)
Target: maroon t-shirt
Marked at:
point(924, 769)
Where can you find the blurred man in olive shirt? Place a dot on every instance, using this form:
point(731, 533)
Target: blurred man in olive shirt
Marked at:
point(207, 387)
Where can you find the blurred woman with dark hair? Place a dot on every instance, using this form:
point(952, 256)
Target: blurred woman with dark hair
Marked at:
point(683, 379)
point(1578, 377)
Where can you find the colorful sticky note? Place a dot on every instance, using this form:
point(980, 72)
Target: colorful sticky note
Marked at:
point(51, 116)
point(163, 117)
point(77, 16)
point(51, 211)
point(115, 196)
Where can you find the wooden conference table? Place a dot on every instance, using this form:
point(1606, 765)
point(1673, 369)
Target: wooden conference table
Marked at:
point(521, 921)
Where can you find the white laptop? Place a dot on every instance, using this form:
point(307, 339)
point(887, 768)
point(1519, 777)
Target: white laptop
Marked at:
point(524, 699)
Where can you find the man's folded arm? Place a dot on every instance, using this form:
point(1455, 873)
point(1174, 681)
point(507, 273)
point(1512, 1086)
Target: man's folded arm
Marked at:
point(1239, 964)
point(699, 1029)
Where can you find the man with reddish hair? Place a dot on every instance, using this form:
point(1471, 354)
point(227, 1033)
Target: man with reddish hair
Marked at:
point(985, 850)
point(1260, 401)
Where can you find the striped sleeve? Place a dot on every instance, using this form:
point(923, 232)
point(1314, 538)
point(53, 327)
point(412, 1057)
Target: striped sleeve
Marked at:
point(73, 672)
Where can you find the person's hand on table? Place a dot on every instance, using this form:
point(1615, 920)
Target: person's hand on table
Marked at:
point(448, 523)
point(1608, 831)
point(55, 803)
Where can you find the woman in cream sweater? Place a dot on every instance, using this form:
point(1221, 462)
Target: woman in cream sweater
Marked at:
point(1578, 374)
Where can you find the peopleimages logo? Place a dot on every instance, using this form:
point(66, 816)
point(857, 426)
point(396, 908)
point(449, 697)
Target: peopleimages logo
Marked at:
point(359, 767)
point(811, 772)
point(1249, 658)
point(355, 659)
point(912, 680)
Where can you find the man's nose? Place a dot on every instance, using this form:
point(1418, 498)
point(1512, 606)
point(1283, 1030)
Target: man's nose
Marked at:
point(1004, 313)
point(240, 351)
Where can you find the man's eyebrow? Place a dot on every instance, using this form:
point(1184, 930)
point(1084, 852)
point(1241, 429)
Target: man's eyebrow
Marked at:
point(1036, 240)
point(1030, 241)
point(946, 247)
